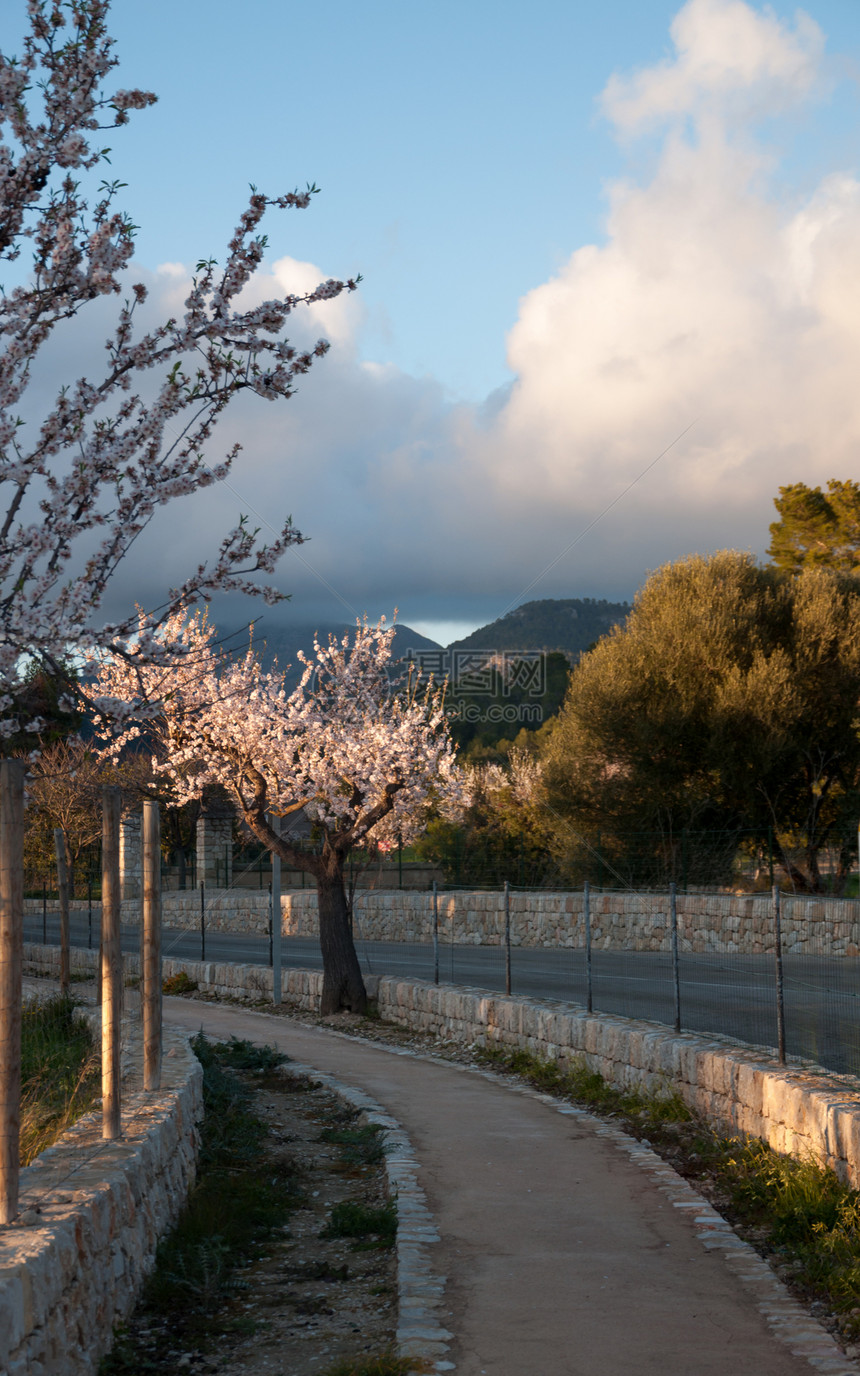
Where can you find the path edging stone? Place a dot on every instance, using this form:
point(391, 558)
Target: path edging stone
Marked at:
point(420, 1333)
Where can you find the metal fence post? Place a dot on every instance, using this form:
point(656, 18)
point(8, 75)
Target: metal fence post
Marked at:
point(89, 910)
point(586, 909)
point(11, 965)
point(435, 933)
point(673, 914)
point(271, 952)
point(780, 993)
point(202, 919)
point(507, 937)
point(45, 913)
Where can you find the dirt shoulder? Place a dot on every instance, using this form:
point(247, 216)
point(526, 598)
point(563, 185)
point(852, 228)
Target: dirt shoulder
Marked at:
point(304, 1300)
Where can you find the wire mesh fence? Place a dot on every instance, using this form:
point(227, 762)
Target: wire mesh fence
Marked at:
point(712, 971)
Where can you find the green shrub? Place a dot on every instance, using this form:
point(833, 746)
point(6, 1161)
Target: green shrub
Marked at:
point(179, 984)
point(363, 1222)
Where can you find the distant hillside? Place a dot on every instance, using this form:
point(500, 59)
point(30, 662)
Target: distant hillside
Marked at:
point(568, 624)
point(282, 642)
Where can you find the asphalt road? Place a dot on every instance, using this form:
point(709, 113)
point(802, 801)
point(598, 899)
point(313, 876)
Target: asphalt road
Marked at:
point(734, 995)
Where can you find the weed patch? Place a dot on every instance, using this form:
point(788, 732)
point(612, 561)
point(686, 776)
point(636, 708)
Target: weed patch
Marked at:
point(178, 984)
point(371, 1227)
point(386, 1364)
point(60, 1072)
point(587, 1087)
point(236, 1054)
point(239, 1200)
point(360, 1146)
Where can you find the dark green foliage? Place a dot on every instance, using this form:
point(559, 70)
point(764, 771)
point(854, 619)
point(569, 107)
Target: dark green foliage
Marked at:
point(726, 706)
point(482, 723)
point(60, 1072)
point(370, 1226)
point(386, 1364)
point(360, 1145)
point(37, 696)
point(566, 624)
point(236, 1054)
point(505, 834)
point(817, 530)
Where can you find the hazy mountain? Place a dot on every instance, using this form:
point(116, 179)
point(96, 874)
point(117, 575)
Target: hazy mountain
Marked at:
point(568, 624)
point(282, 641)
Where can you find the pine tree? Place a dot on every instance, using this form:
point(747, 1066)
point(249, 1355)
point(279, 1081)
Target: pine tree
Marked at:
point(817, 529)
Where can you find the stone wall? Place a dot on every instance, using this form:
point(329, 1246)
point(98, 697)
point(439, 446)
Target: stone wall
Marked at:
point(92, 1213)
point(795, 1108)
point(716, 923)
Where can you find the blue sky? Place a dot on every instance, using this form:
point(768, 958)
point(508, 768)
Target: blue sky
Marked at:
point(460, 147)
point(587, 234)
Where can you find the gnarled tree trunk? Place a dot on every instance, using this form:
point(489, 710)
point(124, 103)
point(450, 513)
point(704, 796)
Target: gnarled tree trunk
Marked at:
point(343, 985)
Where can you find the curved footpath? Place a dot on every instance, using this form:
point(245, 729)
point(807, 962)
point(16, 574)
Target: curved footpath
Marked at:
point(567, 1247)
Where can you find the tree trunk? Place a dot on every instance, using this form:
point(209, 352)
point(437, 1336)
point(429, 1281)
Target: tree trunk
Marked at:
point(63, 896)
point(799, 881)
point(343, 986)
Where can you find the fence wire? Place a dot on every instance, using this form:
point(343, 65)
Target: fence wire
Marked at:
point(718, 976)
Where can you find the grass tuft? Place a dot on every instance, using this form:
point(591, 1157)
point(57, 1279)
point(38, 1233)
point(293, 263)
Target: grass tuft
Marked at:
point(384, 1364)
point(60, 1072)
point(237, 1054)
point(587, 1087)
point(371, 1227)
point(360, 1146)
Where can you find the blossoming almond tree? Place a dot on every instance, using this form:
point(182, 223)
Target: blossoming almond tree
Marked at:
point(363, 758)
point(84, 478)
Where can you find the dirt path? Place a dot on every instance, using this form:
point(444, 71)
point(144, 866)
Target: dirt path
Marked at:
point(562, 1255)
point(304, 1300)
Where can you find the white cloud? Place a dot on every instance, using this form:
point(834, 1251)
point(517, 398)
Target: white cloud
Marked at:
point(725, 52)
point(714, 299)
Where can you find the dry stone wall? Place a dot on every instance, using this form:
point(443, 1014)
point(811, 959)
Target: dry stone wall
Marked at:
point(796, 1108)
point(716, 923)
point(91, 1215)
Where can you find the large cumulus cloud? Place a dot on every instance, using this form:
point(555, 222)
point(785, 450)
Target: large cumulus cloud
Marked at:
point(718, 301)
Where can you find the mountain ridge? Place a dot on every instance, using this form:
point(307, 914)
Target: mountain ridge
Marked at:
point(567, 624)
